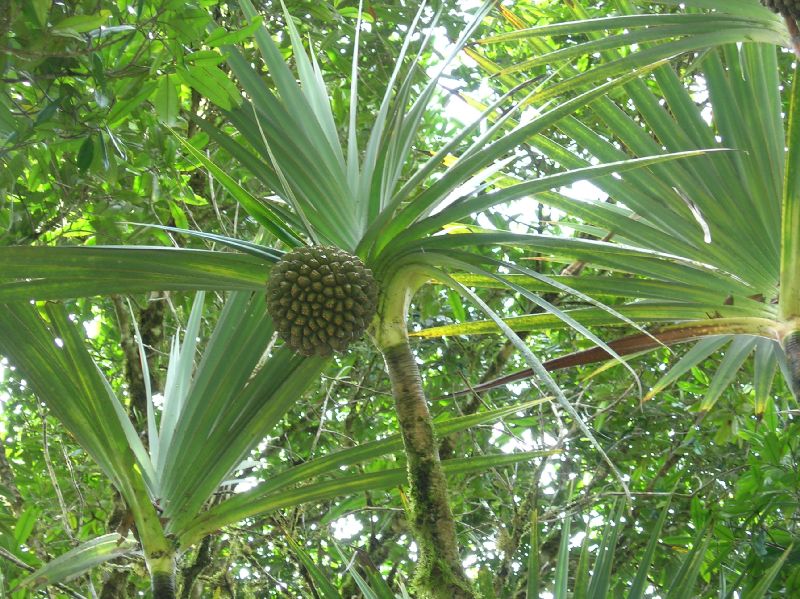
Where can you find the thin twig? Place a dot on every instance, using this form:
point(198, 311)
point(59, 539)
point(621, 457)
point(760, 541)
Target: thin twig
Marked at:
point(52, 474)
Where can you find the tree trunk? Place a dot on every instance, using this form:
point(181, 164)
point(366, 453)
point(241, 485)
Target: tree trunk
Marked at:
point(439, 573)
point(162, 574)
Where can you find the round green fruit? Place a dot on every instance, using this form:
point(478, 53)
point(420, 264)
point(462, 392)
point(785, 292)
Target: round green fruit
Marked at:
point(321, 299)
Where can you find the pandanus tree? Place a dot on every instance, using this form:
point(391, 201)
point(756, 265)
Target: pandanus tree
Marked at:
point(371, 201)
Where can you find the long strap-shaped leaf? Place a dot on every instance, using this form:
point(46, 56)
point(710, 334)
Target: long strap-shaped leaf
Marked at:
point(339, 487)
point(52, 357)
point(790, 228)
point(28, 272)
point(232, 403)
point(467, 167)
point(789, 302)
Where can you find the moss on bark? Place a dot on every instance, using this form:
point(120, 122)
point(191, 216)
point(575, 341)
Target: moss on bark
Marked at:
point(439, 573)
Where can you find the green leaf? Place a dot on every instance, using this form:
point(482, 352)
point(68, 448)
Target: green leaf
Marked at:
point(223, 515)
point(52, 357)
point(532, 585)
point(179, 376)
point(765, 365)
point(735, 355)
point(63, 272)
point(166, 101)
point(25, 524)
point(601, 574)
point(81, 559)
point(641, 581)
point(654, 313)
point(238, 506)
point(352, 12)
point(682, 583)
point(376, 587)
point(464, 208)
point(262, 213)
point(542, 374)
point(562, 562)
point(789, 300)
point(233, 401)
point(122, 108)
point(581, 587)
point(321, 579)
point(40, 10)
point(212, 83)
point(221, 37)
point(761, 588)
point(85, 154)
point(701, 351)
point(81, 23)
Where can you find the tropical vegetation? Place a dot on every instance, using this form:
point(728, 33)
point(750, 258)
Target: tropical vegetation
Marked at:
point(582, 373)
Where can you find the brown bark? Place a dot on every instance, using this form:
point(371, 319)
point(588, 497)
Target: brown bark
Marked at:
point(190, 575)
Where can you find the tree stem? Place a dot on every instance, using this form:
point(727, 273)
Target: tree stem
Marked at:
point(162, 575)
point(439, 574)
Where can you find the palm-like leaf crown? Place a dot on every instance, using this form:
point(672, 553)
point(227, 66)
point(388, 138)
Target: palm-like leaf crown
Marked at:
point(710, 244)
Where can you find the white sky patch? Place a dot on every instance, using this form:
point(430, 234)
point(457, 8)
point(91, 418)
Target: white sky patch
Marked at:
point(583, 191)
point(470, 566)
point(549, 475)
point(158, 400)
point(456, 108)
point(700, 95)
point(523, 441)
point(518, 387)
point(92, 327)
point(576, 539)
point(246, 484)
point(346, 527)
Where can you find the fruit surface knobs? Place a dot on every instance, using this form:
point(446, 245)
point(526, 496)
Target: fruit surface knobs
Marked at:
point(321, 299)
